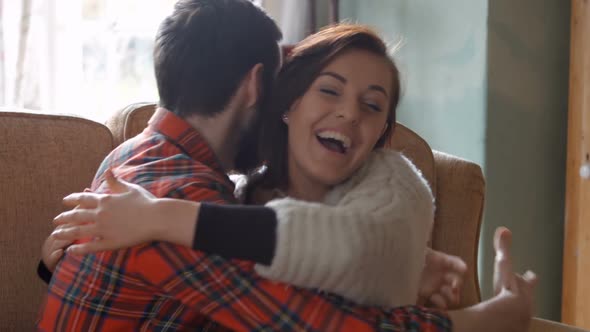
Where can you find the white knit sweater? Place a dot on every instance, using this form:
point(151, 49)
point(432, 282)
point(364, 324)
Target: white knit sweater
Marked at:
point(366, 242)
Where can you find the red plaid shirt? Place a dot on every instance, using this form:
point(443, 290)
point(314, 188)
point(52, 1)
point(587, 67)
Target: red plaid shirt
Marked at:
point(164, 287)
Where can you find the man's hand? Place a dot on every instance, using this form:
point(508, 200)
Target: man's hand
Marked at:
point(442, 279)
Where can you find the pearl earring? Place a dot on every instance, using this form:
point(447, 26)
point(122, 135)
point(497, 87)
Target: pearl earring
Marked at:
point(285, 118)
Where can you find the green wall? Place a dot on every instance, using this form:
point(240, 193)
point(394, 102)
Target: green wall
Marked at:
point(487, 81)
point(528, 52)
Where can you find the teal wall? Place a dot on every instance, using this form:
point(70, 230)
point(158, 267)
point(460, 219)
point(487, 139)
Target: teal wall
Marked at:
point(487, 81)
point(442, 60)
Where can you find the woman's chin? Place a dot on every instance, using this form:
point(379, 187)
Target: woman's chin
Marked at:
point(331, 179)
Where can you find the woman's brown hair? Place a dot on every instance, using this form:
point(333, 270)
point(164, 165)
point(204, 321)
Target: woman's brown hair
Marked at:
point(301, 67)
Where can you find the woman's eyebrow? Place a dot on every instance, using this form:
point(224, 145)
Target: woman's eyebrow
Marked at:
point(334, 75)
point(379, 88)
point(341, 78)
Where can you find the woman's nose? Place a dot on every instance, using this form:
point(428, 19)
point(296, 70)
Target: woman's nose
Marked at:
point(350, 111)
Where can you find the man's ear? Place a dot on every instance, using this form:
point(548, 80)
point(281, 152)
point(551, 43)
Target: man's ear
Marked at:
point(253, 85)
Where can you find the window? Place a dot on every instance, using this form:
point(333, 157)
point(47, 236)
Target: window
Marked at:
point(87, 57)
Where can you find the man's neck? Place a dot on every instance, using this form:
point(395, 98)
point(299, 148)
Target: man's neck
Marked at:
point(220, 132)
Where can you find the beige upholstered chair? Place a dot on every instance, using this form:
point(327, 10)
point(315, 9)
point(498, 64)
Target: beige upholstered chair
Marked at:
point(42, 159)
point(130, 121)
point(458, 186)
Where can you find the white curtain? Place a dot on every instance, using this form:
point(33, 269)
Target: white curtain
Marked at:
point(20, 54)
point(2, 53)
point(84, 57)
point(294, 20)
point(292, 17)
point(24, 28)
point(92, 57)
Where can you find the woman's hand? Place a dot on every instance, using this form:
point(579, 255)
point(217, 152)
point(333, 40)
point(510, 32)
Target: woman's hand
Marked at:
point(513, 303)
point(125, 218)
point(53, 250)
point(442, 280)
point(511, 308)
point(129, 216)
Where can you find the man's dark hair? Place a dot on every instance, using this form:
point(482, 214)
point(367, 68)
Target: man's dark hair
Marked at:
point(204, 49)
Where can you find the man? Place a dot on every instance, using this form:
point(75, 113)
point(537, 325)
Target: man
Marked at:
point(213, 59)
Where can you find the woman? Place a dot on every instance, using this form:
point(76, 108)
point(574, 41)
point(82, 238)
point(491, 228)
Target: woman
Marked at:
point(340, 91)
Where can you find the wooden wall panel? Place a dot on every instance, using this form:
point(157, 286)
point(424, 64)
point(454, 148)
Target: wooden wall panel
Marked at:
point(576, 269)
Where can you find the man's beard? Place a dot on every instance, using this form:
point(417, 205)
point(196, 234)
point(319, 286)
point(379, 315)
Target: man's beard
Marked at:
point(247, 156)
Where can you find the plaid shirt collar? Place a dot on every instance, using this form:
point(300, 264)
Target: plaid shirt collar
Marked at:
point(185, 137)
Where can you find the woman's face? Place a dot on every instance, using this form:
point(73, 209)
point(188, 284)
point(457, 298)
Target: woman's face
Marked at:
point(337, 122)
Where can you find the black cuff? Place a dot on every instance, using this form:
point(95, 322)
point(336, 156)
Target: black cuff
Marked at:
point(237, 232)
point(43, 272)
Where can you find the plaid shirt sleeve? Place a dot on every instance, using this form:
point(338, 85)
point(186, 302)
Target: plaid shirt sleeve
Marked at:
point(230, 292)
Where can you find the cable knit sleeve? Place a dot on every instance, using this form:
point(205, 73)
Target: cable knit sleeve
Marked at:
point(366, 243)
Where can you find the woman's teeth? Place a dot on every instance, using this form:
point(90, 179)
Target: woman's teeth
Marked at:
point(344, 140)
point(334, 141)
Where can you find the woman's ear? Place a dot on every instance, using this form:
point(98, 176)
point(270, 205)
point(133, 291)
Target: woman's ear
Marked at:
point(292, 108)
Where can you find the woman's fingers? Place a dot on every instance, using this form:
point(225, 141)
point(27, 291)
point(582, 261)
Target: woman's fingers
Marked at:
point(56, 255)
point(503, 271)
point(457, 265)
point(88, 247)
point(84, 200)
point(89, 200)
point(503, 242)
point(438, 301)
point(530, 276)
point(113, 218)
point(118, 186)
point(76, 232)
point(451, 297)
point(454, 280)
point(115, 185)
point(531, 279)
point(75, 217)
point(59, 243)
point(524, 287)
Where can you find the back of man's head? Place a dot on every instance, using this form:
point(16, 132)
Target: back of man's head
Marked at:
point(206, 47)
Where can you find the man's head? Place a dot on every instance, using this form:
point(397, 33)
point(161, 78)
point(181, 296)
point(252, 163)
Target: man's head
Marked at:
point(207, 49)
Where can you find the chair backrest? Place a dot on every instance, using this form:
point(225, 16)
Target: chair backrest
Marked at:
point(417, 150)
point(42, 159)
point(460, 194)
point(458, 186)
point(130, 121)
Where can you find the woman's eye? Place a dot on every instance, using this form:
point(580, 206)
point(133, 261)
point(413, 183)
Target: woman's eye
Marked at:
point(374, 107)
point(329, 91)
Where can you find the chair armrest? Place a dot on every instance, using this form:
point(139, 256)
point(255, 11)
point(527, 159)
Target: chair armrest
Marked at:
point(542, 325)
